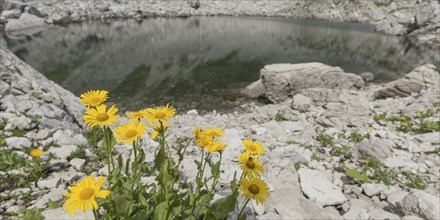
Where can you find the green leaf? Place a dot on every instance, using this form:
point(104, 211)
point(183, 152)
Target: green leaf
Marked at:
point(142, 200)
point(160, 211)
point(355, 174)
point(224, 206)
point(215, 171)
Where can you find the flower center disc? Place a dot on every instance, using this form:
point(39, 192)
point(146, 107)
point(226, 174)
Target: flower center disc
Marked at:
point(86, 193)
point(250, 164)
point(102, 117)
point(130, 133)
point(252, 147)
point(96, 100)
point(254, 189)
point(160, 115)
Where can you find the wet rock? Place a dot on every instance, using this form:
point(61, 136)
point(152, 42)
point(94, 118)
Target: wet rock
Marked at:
point(420, 78)
point(319, 189)
point(282, 81)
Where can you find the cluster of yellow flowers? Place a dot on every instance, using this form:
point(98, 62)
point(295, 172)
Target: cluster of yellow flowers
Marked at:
point(83, 194)
point(251, 185)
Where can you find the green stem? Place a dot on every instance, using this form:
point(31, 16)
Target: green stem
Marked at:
point(108, 154)
point(214, 182)
point(135, 159)
point(95, 214)
point(242, 208)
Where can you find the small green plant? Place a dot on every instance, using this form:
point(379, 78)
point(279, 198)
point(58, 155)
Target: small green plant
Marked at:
point(80, 152)
point(357, 176)
point(32, 214)
point(10, 160)
point(280, 117)
point(414, 181)
point(357, 138)
point(315, 157)
point(325, 139)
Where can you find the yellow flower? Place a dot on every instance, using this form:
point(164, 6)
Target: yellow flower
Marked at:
point(197, 132)
point(216, 146)
point(213, 132)
point(100, 116)
point(254, 188)
point(83, 195)
point(160, 114)
point(137, 115)
point(94, 97)
point(403, 118)
point(253, 147)
point(158, 129)
point(413, 122)
point(128, 133)
point(36, 152)
point(250, 165)
point(371, 128)
point(204, 141)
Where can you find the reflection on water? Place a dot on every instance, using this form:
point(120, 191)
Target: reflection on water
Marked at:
point(200, 62)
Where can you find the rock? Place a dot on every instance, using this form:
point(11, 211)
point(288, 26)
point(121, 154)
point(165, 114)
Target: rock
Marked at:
point(319, 189)
point(192, 112)
point(282, 81)
point(431, 138)
point(367, 76)
point(372, 189)
point(49, 183)
point(420, 78)
point(15, 209)
point(18, 142)
point(342, 108)
point(411, 217)
point(301, 103)
point(254, 90)
point(422, 204)
point(77, 163)
point(67, 137)
point(25, 21)
point(64, 151)
point(21, 123)
point(14, 13)
point(356, 213)
point(329, 213)
point(59, 214)
point(259, 209)
point(380, 214)
point(376, 148)
point(268, 216)
point(55, 195)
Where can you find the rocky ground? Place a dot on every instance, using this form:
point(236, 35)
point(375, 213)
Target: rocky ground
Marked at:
point(337, 147)
point(418, 19)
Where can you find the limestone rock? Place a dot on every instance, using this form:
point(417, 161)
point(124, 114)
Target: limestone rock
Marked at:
point(77, 163)
point(254, 90)
point(376, 148)
point(59, 214)
point(18, 142)
point(282, 81)
point(420, 78)
point(55, 195)
point(372, 189)
point(379, 214)
point(64, 151)
point(25, 21)
point(319, 189)
point(49, 183)
point(422, 204)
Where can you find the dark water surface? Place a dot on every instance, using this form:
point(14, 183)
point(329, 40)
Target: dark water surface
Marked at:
point(201, 62)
